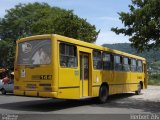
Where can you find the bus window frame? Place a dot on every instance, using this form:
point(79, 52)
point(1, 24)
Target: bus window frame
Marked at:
point(95, 50)
point(69, 44)
point(126, 65)
point(131, 65)
point(120, 65)
point(139, 66)
point(111, 60)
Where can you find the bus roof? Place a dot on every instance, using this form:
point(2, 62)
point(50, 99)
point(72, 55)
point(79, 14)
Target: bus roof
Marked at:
point(81, 43)
point(98, 47)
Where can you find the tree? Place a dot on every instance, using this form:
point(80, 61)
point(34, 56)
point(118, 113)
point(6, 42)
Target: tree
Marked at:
point(7, 51)
point(39, 18)
point(142, 24)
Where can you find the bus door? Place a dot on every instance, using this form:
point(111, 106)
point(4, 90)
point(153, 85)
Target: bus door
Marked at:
point(84, 74)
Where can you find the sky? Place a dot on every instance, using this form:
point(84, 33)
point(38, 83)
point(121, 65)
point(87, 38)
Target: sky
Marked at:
point(101, 13)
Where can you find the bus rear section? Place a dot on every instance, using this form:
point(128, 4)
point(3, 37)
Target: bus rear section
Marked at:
point(34, 69)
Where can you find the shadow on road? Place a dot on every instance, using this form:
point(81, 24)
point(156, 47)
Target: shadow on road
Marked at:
point(115, 101)
point(45, 105)
point(131, 103)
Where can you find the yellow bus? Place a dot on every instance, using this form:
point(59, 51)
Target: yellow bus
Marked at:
point(55, 66)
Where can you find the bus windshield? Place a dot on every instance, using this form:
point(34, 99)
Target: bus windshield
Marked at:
point(34, 52)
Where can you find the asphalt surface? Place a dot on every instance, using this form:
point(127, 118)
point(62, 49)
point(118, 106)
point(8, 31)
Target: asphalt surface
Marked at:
point(146, 103)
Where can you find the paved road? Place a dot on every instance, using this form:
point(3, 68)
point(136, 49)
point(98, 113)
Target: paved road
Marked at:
point(147, 102)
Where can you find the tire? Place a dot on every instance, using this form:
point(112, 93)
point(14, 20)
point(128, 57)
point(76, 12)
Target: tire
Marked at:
point(3, 91)
point(138, 92)
point(103, 94)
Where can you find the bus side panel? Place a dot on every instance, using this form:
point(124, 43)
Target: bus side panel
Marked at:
point(119, 81)
point(68, 81)
point(134, 81)
point(55, 64)
point(96, 81)
point(107, 77)
point(140, 78)
point(126, 84)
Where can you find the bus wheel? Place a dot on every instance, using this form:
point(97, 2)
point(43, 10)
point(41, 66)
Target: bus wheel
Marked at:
point(103, 94)
point(3, 91)
point(138, 92)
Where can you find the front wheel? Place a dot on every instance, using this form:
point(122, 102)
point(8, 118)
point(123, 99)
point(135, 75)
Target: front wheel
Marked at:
point(103, 94)
point(138, 92)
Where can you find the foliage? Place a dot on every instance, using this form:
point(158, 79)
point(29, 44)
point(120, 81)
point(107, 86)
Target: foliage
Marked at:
point(154, 79)
point(7, 51)
point(39, 18)
point(142, 24)
point(155, 76)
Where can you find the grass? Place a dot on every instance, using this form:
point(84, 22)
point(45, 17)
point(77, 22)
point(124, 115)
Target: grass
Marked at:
point(154, 79)
point(153, 82)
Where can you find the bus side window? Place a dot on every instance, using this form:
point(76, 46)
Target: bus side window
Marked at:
point(107, 64)
point(139, 66)
point(68, 55)
point(133, 65)
point(117, 63)
point(126, 65)
point(97, 59)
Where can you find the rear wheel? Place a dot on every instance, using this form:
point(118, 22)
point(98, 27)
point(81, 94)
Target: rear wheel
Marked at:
point(138, 92)
point(103, 94)
point(3, 91)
